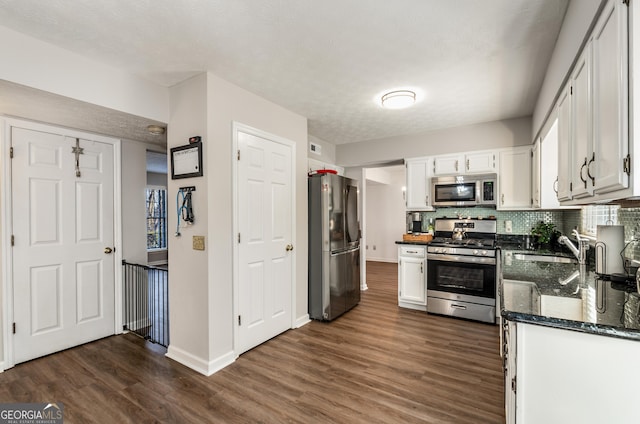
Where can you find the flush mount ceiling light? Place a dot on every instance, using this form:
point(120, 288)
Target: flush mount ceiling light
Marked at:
point(398, 99)
point(155, 129)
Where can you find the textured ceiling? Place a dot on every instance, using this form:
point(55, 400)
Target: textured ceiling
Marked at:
point(472, 61)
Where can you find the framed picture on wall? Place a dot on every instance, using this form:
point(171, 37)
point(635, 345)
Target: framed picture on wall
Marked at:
point(186, 161)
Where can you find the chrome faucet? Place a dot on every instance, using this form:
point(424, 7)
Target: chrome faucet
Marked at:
point(579, 252)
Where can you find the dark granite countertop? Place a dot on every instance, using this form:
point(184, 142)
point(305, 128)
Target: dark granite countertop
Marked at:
point(567, 296)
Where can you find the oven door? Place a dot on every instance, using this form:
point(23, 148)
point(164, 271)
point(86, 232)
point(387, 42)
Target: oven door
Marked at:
point(468, 278)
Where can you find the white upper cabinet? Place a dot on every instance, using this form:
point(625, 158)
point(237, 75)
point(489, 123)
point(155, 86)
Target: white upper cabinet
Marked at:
point(609, 49)
point(469, 163)
point(535, 174)
point(449, 164)
point(514, 178)
point(418, 173)
point(581, 115)
point(593, 115)
point(480, 162)
point(544, 168)
point(564, 163)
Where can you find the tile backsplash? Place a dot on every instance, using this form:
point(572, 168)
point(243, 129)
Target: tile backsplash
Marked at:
point(565, 220)
point(521, 221)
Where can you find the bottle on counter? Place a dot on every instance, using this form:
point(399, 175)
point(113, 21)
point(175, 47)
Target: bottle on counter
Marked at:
point(430, 227)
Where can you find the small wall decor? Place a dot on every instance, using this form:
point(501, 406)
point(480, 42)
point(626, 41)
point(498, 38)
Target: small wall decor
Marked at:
point(186, 161)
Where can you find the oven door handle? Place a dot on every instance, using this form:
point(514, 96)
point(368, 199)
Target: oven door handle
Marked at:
point(461, 259)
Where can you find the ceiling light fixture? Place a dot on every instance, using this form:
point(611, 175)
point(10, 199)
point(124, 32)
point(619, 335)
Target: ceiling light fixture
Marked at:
point(398, 99)
point(155, 129)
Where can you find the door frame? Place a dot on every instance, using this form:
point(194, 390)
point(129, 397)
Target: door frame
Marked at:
point(239, 127)
point(6, 220)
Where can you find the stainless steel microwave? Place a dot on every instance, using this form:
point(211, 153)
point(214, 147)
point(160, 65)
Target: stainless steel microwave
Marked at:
point(464, 190)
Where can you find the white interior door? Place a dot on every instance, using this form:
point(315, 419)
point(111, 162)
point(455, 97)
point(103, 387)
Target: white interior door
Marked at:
point(63, 279)
point(265, 224)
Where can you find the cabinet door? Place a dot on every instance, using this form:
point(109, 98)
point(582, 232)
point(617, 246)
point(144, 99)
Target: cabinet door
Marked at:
point(447, 165)
point(411, 280)
point(418, 179)
point(515, 178)
point(535, 175)
point(480, 162)
point(510, 381)
point(581, 115)
point(610, 100)
point(565, 162)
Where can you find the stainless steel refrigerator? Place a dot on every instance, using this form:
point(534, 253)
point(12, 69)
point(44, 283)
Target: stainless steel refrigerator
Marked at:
point(334, 246)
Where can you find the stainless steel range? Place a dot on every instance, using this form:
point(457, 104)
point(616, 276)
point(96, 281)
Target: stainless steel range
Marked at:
point(461, 269)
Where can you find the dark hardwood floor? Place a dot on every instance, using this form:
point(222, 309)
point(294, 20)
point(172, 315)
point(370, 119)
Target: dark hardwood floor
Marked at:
point(375, 364)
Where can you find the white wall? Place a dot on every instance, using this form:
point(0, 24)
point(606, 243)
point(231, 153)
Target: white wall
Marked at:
point(202, 282)
point(385, 211)
point(506, 133)
point(577, 21)
point(327, 150)
point(189, 269)
point(34, 63)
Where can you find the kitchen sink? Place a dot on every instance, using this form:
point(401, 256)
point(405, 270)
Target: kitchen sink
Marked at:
point(532, 257)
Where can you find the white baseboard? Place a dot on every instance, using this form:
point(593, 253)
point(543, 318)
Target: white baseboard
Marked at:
point(198, 364)
point(364, 287)
point(303, 320)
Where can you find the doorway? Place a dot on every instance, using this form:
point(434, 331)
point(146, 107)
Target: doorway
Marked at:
point(383, 214)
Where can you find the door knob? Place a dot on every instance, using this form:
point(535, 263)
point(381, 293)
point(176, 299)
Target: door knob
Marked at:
point(289, 247)
point(108, 250)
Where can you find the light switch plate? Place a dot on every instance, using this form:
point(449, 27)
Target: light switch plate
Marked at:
point(198, 242)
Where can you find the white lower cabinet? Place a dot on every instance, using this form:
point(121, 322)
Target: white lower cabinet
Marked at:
point(557, 376)
point(412, 277)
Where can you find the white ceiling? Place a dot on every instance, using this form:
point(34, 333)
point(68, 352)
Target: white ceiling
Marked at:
point(472, 61)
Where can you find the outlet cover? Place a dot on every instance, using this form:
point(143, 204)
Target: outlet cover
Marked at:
point(198, 242)
point(508, 226)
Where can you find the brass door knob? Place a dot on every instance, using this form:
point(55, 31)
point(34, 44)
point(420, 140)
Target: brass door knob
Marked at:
point(108, 250)
point(289, 247)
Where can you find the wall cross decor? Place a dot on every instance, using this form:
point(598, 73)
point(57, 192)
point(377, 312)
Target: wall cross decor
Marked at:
point(77, 150)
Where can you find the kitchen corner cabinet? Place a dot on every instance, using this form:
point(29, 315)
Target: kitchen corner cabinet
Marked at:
point(514, 178)
point(558, 376)
point(593, 115)
point(470, 163)
point(544, 170)
point(418, 187)
point(412, 280)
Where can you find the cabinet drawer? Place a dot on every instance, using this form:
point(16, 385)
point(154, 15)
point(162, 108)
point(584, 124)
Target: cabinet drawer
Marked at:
point(413, 251)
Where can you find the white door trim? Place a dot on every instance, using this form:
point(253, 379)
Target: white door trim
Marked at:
point(239, 127)
point(7, 224)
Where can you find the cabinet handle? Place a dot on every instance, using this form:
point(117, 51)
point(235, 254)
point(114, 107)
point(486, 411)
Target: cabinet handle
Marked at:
point(468, 165)
point(502, 198)
point(456, 165)
point(584, 165)
point(421, 270)
point(555, 186)
point(593, 180)
point(426, 200)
